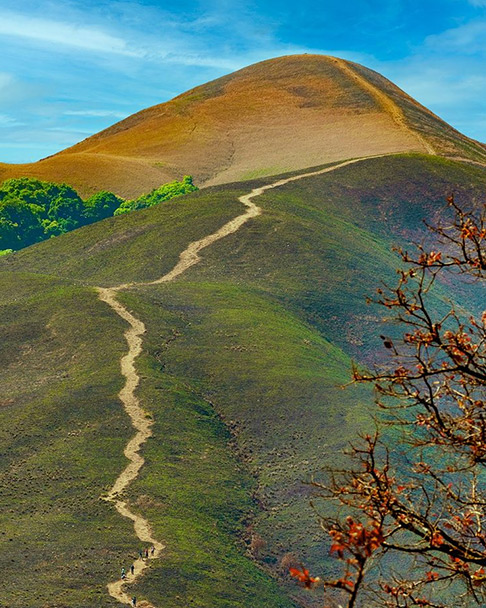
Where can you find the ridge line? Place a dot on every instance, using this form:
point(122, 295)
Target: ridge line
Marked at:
point(386, 102)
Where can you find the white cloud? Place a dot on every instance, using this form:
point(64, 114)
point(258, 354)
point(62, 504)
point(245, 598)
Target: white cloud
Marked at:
point(434, 83)
point(467, 39)
point(58, 32)
point(9, 121)
point(150, 34)
point(178, 44)
point(14, 91)
point(95, 113)
point(201, 60)
point(66, 135)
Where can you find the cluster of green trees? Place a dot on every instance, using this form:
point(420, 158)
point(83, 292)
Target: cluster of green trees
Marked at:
point(163, 193)
point(32, 210)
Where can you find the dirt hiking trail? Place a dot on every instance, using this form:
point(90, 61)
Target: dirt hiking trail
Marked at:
point(386, 103)
point(137, 414)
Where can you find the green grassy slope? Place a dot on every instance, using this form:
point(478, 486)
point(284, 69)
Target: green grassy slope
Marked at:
point(139, 246)
point(243, 359)
point(46, 551)
point(266, 324)
point(62, 436)
point(275, 383)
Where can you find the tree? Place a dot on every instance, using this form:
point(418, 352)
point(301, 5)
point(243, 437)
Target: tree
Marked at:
point(32, 210)
point(65, 206)
point(101, 205)
point(27, 189)
point(19, 223)
point(411, 527)
point(158, 195)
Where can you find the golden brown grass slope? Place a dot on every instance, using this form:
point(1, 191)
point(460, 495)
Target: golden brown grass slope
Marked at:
point(279, 115)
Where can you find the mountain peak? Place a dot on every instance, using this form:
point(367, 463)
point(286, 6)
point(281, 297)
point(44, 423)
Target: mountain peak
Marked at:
point(282, 114)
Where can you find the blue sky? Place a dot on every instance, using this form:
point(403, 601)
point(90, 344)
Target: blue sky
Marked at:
point(69, 68)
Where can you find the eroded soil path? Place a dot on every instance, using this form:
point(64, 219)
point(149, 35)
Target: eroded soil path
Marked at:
point(142, 424)
point(138, 416)
point(387, 103)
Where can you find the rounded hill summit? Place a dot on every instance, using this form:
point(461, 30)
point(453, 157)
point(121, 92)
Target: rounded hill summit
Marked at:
point(279, 115)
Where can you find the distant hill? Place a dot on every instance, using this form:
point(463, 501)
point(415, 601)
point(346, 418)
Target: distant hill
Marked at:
point(276, 116)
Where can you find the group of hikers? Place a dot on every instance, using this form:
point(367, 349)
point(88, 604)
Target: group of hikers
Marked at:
point(142, 554)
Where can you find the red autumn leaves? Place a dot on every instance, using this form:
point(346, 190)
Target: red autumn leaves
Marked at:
point(303, 577)
point(356, 539)
point(353, 544)
point(416, 489)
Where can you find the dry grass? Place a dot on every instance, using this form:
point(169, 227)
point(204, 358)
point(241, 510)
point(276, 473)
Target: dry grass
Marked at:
point(279, 115)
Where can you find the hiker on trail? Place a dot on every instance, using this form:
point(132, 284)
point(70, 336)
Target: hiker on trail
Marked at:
point(132, 569)
point(146, 553)
point(141, 554)
point(134, 601)
point(153, 550)
point(123, 574)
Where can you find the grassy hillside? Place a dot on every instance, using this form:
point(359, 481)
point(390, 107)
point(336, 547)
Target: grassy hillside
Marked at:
point(242, 366)
point(140, 246)
point(264, 327)
point(220, 349)
point(62, 436)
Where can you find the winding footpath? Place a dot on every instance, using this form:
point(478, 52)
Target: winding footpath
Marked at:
point(387, 103)
point(138, 416)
